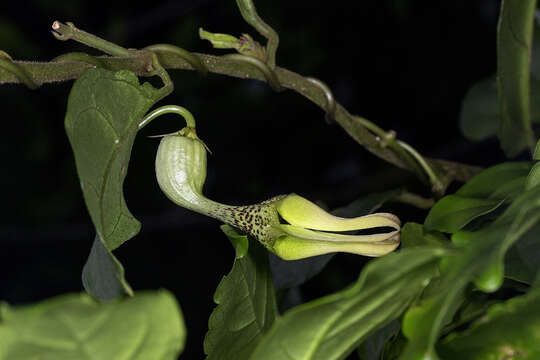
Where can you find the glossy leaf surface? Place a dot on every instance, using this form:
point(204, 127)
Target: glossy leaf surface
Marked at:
point(479, 259)
point(331, 327)
point(488, 183)
point(481, 195)
point(453, 212)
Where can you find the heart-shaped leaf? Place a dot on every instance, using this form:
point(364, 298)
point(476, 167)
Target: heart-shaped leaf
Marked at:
point(103, 115)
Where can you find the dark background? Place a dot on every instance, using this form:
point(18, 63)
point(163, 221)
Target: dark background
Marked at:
point(405, 65)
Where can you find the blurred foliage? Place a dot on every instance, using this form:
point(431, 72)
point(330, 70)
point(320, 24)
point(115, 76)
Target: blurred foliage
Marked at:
point(405, 65)
point(74, 326)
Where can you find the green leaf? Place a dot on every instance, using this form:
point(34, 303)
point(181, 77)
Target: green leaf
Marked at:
point(479, 259)
point(453, 212)
point(487, 184)
point(103, 274)
point(413, 234)
point(481, 195)
point(513, 225)
point(246, 304)
point(288, 274)
point(103, 114)
point(535, 53)
point(516, 267)
point(331, 327)
point(508, 331)
point(536, 154)
point(526, 261)
point(147, 326)
point(479, 116)
point(514, 40)
point(534, 176)
point(480, 111)
point(475, 305)
point(238, 240)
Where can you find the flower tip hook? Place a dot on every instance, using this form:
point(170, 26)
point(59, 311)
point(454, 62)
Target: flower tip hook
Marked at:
point(311, 231)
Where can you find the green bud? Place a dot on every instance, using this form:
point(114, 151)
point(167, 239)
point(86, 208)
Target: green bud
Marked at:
point(220, 41)
point(245, 45)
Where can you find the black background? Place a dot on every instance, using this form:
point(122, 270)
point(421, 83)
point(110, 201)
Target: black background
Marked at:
point(405, 65)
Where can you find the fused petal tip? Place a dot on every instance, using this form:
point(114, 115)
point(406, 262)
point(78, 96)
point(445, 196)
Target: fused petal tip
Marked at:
point(312, 231)
point(292, 248)
point(299, 211)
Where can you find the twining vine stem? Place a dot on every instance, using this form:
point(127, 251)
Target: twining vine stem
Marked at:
point(145, 63)
point(249, 13)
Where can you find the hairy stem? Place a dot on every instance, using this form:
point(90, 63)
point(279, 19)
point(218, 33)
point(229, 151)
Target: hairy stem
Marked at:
point(186, 55)
point(80, 57)
point(18, 72)
point(249, 13)
point(69, 31)
point(140, 62)
point(267, 72)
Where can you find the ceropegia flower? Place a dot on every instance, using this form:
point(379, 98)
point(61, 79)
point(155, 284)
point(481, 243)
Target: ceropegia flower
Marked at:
point(309, 231)
point(288, 225)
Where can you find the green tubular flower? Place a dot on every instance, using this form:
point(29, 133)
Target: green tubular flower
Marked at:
point(312, 231)
point(288, 225)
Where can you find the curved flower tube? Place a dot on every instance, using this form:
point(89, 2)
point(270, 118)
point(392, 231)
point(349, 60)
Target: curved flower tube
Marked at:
point(290, 226)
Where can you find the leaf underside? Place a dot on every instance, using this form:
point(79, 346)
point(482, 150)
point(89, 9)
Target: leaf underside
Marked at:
point(103, 113)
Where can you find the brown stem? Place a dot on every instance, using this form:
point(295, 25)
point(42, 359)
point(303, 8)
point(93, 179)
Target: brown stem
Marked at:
point(140, 62)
